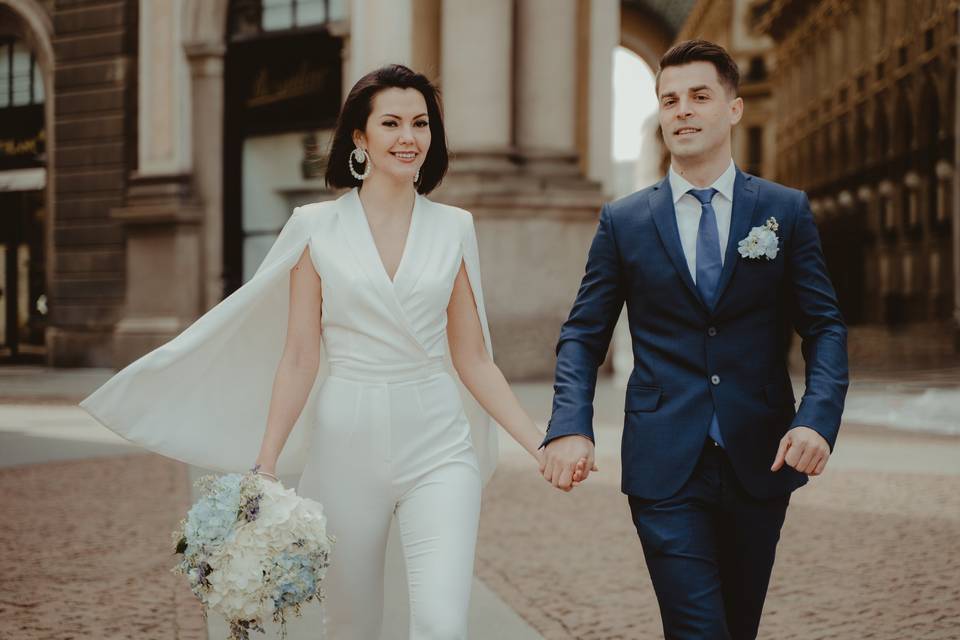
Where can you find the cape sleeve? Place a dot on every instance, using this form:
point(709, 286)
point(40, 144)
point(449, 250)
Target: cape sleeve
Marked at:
point(203, 397)
point(483, 430)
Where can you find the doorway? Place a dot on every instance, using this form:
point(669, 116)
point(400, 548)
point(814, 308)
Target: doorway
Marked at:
point(23, 176)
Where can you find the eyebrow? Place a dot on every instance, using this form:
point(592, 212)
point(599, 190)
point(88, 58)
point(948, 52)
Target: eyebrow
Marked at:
point(701, 87)
point(391, 115)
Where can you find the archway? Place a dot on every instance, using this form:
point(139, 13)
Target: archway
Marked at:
point(26, 184)
point(649, 28)
point(636, 146)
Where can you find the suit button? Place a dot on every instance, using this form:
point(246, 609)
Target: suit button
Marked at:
point(712, 331)
point(715, 379)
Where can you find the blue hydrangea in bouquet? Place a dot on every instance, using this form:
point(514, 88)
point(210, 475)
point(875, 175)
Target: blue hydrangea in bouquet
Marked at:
point(252, 549)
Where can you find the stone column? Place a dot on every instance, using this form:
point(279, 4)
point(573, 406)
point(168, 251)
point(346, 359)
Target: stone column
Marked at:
point(546, 84)
point(381, 32)
point(476, 74)
point(163, 90)
point(535, 213)
point(206, 86)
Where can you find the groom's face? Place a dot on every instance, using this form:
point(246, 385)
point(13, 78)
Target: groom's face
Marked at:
point(696, 111)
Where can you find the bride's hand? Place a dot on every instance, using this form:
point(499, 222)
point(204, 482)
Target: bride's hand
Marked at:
point(578, 470)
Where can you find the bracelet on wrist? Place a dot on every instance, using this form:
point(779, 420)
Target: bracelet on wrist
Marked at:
point(256, 469)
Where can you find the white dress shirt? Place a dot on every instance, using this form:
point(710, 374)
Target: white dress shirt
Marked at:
point(688, 212)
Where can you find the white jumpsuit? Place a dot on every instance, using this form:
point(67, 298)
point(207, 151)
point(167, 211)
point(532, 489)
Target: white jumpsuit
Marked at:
point(387, 428)
point(391, 435)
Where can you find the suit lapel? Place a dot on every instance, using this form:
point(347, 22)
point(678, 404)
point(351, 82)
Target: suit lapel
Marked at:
point(665, 219)
point(744, 203)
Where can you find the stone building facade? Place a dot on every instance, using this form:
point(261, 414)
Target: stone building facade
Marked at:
point(866, 119)
point(172, 138)
point(77, 174)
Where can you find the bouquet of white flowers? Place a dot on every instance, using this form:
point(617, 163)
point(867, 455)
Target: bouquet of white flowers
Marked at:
point(252, 548)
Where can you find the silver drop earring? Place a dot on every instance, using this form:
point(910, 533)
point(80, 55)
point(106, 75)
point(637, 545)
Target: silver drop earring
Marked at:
point(416, 178)
point(360, 156)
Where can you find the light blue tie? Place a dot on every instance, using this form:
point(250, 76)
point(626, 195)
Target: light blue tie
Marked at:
point(709, 266)
point(708, 246)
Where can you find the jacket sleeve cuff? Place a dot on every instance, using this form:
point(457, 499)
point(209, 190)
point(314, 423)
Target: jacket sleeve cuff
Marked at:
point(557, 429)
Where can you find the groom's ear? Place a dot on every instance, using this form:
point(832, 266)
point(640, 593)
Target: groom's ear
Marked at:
point(736, 110)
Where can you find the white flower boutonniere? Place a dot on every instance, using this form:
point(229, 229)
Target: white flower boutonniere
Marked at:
point(761, 241)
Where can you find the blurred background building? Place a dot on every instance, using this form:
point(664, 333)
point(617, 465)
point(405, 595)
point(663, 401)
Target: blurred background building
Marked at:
point(150, 150)
point(867, 123)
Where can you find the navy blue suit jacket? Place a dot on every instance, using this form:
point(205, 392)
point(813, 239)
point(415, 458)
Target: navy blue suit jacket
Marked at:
point(691, 360)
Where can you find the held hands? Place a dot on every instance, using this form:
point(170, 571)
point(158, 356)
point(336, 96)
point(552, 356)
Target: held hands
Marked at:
point(567, 461)
point(803, 449)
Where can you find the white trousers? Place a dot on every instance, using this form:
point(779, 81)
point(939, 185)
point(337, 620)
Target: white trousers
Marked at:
point(395, 443)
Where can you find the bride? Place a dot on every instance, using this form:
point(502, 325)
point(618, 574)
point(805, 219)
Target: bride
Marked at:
point(368, 314)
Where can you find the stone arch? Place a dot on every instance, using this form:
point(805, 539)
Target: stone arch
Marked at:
point(645, 32)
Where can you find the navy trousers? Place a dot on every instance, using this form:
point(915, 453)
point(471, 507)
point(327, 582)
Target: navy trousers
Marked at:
point(710, 549)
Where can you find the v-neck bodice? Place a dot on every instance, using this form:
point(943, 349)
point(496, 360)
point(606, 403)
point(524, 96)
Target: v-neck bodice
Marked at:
point(406, 240)
point(368, 319)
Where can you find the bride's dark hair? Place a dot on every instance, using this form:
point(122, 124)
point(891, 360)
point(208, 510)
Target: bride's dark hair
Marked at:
point(356, 110)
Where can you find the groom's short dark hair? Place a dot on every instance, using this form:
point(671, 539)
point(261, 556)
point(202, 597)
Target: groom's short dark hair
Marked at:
point(703, 51)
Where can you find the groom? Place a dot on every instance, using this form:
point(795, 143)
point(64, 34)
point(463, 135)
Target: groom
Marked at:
point(715, 267)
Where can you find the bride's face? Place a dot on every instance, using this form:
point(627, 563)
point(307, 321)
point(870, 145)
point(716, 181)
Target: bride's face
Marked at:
point(397, 136)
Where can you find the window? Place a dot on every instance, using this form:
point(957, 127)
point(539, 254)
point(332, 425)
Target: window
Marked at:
point(21, 82)
point(758, 70)
point(253, 17)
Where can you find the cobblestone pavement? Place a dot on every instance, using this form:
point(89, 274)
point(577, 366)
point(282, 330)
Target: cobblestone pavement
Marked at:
point(86, 546)
point(863, 554)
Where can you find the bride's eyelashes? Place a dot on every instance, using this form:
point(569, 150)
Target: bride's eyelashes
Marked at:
point(419, 123)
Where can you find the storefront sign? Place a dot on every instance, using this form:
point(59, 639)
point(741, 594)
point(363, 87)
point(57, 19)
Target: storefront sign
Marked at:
point(22, 137)
point(286, 83)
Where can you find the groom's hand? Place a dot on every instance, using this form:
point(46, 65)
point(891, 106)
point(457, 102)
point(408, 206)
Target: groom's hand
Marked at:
point(561, 458)
point(803, 449)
